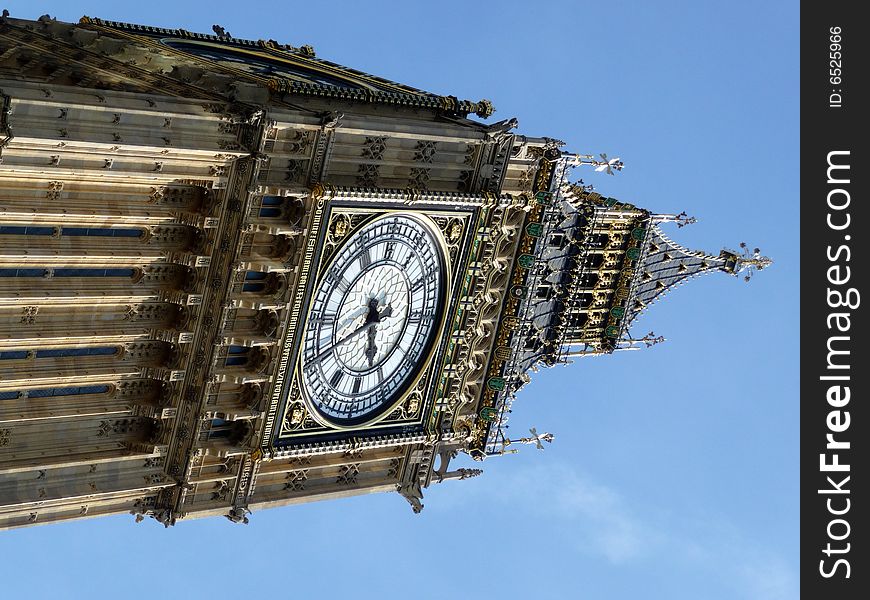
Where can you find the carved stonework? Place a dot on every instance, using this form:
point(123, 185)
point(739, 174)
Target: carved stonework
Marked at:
point(367, 176)
point(347, 474)
point(374, 147)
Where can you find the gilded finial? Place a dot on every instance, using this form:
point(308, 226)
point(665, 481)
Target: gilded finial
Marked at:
point(606, 165)
point(749, 262)
point(536, 439)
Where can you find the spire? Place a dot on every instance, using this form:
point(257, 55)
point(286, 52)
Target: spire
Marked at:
point(663, 265)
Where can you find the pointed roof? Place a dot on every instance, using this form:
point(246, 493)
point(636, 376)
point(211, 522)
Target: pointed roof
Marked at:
point(664, 265)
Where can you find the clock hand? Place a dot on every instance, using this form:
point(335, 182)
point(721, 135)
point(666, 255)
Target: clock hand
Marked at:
point(387, 312)
point(356, 314)
point(371, 348)
point(343, 340)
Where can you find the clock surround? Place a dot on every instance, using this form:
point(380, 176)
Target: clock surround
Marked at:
point(373, 318)
point(337, 214)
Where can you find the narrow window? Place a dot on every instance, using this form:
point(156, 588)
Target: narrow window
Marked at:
point(254, 281)
point(93, 272)
point(13, 272)
point(101, 232)
point(68, 391)
point(236, 356)
point(61, 352)
point(25, 230)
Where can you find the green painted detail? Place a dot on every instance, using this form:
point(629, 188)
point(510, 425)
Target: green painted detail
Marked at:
point(535, 229)
point(496, 383)
point(610, 201)
point(526, 261)
point(612, 331)
point(633, 253)
point(519, 291)
point(638, 233)
point(544, 198)
point(488, 414)
point(617, 311)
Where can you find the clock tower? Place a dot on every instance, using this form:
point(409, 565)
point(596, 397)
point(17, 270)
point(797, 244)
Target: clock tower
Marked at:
point(235, 275)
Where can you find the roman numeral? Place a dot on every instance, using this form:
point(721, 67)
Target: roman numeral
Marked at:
point(391, 249)
point(365, 258)
point(357, 382)
point(336, 280)
point(317, 319)
point(421, 316)
point(336, 378)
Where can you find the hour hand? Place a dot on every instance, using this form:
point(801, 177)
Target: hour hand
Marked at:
point(371, 347)
point(388, 311)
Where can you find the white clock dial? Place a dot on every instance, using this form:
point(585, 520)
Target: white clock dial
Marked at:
point(373, 319)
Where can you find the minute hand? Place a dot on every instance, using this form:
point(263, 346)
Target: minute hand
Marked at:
point(343, 340)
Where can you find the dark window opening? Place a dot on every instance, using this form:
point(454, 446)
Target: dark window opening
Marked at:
point(597, 240)
point(26, 230)
point(101, 232)
point(68, 391)
point(22, 272)
point(577, 319)
point(61, 352)
point(237, 356)
point(543, 291)
point(220, 428)
point(93, 272)
point(593, 260)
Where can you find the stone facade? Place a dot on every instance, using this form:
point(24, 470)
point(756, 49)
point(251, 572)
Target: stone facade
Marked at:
point(164, 213)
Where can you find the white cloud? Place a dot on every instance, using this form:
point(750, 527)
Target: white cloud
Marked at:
point(628, 532)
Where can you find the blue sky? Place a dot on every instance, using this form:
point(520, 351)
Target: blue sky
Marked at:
point(674, 473)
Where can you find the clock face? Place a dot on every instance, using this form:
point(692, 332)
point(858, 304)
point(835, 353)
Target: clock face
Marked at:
point(373, 319)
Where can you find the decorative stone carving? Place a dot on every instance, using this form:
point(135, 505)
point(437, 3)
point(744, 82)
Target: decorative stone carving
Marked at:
point(412, 492)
